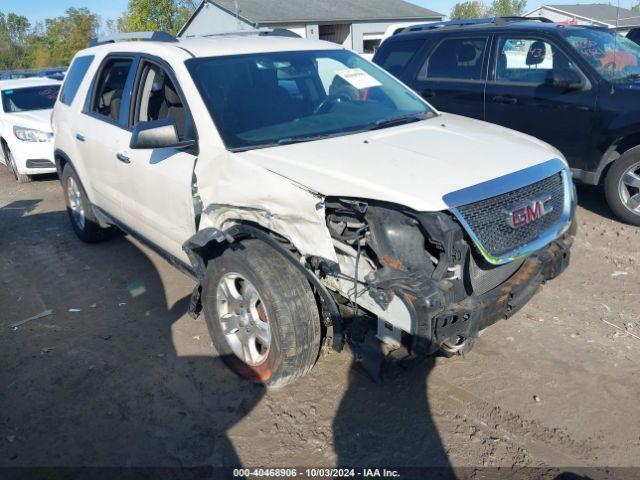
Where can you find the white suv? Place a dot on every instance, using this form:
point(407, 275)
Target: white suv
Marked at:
point(26, 140)
point(313, 197)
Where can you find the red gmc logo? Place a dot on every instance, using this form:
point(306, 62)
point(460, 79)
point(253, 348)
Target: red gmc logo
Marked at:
point(526, 214)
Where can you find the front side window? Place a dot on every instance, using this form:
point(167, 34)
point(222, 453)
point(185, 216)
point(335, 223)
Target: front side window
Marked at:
point(109, 89)
point(529, 61)
point(456, 58)
point(30, 98)
point(276, 98)
point(158, 99)
point(613, 56)
point(74, 78)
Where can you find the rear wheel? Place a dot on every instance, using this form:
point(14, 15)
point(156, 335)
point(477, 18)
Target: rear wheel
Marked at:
point(261, 314)
point(11, 163)
point(83, 220)
point(622, 187)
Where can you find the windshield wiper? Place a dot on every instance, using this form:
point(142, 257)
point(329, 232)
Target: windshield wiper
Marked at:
point(401, 120)
point(310, 138)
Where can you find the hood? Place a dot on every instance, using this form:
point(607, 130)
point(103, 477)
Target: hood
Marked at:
point(413, 165)
point(38, 119)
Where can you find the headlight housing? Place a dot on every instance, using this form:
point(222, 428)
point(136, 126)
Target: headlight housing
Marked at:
point(31, 134)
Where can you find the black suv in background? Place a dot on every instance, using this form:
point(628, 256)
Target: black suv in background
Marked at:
point(575, 87)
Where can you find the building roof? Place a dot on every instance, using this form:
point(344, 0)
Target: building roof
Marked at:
point(292, 11)
point(601, 12)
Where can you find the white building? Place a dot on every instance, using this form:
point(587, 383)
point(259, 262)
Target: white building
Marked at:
point(599, 14)
point(357, 24)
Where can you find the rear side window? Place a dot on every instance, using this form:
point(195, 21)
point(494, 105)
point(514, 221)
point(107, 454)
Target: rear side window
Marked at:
point(456, 58)
point(74, 78)
point(109, 89)
point(396, 56)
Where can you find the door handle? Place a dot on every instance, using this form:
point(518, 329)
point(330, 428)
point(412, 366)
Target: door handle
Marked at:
point(505, 99)
point(428, 93)
point(123, 158)
point(80, 137)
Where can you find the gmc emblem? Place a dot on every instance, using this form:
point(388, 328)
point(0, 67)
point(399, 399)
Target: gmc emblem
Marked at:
point(528, 213)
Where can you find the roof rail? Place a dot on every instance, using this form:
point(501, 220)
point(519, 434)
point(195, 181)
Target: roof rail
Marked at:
point(123, 37)
point(473, 21)
point(262, 32)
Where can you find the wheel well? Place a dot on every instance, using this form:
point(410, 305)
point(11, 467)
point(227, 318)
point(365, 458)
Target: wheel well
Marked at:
point(628, 142)
point(210, 242)
point(61, 160)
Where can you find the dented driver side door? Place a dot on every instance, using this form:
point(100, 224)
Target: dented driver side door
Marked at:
point(158, 198)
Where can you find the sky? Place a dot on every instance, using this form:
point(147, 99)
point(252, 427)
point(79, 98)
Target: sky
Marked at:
point(37, 10)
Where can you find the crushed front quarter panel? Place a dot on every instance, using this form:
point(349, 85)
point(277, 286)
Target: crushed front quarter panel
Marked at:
point(232, 189)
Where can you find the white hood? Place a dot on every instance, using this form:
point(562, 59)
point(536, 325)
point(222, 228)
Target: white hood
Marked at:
point(38, 119)
point(413, 165)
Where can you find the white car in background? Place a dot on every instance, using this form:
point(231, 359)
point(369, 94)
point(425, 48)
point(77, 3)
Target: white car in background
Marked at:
point(26, 139)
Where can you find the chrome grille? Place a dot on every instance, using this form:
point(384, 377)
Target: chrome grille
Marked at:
point(488, 218)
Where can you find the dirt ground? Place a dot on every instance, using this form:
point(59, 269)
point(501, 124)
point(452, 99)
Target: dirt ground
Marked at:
point(119, 375)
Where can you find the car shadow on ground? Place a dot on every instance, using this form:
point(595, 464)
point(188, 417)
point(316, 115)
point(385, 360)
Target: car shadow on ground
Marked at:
point(591, 197)
point(104, 386)
point(390, 424)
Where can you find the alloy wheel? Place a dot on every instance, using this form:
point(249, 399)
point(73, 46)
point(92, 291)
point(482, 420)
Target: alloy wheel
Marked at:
point(629, 188)
point(75, 203)
point(243, 319)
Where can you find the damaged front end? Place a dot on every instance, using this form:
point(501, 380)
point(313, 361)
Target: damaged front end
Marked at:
point(430, 281)
point(444, 292)
point(419, 282)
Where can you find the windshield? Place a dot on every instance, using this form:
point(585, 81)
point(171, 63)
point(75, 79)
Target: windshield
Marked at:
point(31, 98)
point(615, 57)
point(276, 98)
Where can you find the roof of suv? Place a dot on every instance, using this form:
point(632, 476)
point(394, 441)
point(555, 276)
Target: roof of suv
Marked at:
point(221, 45)
point(487, 24)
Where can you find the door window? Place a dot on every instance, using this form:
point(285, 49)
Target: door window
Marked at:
point(456, 58)
point(109, 91)
point(395, 56)
point(529, 61)
point(158, 99)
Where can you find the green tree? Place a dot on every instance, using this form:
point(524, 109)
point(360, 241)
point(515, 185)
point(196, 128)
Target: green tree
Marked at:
point(13, 37)
point(17, 27)
point(67, 34)
point(152, 15)
point(508, 8)
point(469, 9)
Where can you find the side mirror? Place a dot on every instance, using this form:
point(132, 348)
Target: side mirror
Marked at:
point(157, 134)
point(565, 78)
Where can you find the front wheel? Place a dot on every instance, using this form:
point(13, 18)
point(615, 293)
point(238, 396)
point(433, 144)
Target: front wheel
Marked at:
point(261, 314)
point(11, 163)
point(622, 187)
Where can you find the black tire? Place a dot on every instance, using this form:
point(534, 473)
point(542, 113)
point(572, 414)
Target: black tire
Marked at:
point(90, 230)
point(290, 308)
point(11, 165)
point(612, 186)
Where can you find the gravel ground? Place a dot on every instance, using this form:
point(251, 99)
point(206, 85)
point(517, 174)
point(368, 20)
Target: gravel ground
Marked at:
point(119, 375)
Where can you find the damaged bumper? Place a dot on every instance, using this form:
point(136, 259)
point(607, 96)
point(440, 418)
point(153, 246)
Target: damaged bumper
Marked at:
point(460, 322)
